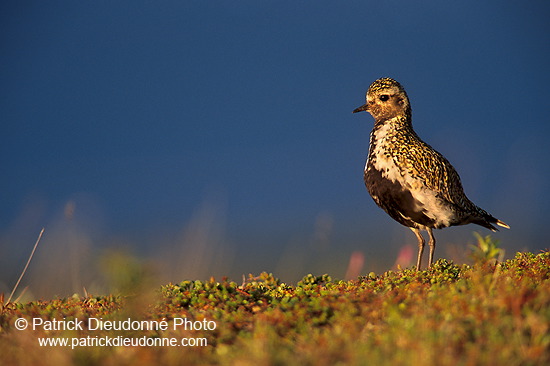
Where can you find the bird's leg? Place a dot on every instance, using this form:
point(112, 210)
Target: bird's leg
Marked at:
point(431, 243)
point(420, 246)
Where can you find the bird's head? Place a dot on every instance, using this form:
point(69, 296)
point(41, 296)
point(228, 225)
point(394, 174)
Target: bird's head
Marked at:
point(386, 99)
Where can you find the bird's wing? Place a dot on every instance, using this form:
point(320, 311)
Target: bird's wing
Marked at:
point(433, 171)
point(429, 169)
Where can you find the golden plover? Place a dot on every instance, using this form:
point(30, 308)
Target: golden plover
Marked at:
point(407, 178)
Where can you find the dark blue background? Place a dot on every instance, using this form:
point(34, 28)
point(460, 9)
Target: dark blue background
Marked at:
point(216, 138)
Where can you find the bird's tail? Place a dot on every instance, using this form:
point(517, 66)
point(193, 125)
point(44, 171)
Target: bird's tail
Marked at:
point(502, 223)
point(485, 219)
point(489, 221)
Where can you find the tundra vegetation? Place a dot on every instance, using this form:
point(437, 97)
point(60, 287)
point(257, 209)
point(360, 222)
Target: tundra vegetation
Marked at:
point(487, 313)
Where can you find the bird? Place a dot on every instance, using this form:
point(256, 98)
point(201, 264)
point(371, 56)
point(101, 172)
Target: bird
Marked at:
point(413, 183)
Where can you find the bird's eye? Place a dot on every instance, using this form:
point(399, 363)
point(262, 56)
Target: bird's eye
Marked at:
point(384, 97)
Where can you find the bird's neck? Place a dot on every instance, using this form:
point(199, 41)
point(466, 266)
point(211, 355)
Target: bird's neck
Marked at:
point(391, 126)
point(386, 132)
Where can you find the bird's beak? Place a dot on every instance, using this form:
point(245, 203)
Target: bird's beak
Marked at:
point(364, 107)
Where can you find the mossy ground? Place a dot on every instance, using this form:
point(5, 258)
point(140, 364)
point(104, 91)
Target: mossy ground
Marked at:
point(489, 314)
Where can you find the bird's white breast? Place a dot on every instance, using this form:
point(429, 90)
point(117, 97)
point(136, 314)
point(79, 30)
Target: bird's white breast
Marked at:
point(382, 160)
point(427, 200)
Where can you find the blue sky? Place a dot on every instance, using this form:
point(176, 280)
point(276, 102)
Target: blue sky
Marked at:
point(143, 121)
